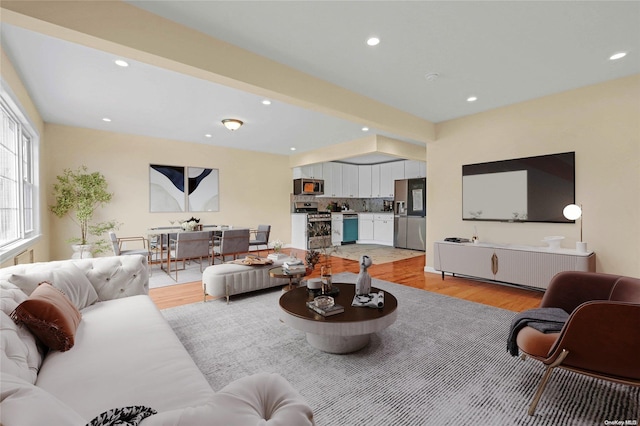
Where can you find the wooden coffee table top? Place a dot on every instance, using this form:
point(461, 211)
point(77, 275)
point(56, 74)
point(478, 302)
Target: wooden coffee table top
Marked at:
point(294, 303)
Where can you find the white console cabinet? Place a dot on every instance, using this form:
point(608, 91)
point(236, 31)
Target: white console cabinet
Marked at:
point(522, 265)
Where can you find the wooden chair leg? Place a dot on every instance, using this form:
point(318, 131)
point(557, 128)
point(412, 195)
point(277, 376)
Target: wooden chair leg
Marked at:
point(544, 380)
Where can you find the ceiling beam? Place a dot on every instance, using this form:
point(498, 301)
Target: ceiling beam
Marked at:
point(126, 30)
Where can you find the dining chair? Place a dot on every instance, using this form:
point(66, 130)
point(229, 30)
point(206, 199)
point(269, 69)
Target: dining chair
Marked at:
point(189, 245)
point(116, 245)
point(261, 237)
point(231, 242)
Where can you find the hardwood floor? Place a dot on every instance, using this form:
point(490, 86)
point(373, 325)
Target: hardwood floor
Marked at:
point(408, 272)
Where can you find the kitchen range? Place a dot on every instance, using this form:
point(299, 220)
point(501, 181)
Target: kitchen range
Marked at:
point(317, 225)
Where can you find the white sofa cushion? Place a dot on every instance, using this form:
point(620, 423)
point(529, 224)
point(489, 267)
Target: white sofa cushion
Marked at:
point(112, 277)
point(68, 278)
point(24, 404)
point(19, 353)
point(260, 399)
point(126, 354)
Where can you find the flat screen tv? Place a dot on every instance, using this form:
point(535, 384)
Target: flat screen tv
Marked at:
point(531, 189)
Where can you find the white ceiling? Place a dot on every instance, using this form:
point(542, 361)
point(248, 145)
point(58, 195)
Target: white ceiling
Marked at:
point(501, 52)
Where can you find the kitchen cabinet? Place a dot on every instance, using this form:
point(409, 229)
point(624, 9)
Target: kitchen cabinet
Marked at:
point(364, 182)
point(336, 229)
point(365, 227)
point(312, 171)
point(375, 181)
point(387, 178)
point(349, 180)
point(299, 230)
point(415, 169)
point(523, 265)
point(332, 175)
point(383, 228)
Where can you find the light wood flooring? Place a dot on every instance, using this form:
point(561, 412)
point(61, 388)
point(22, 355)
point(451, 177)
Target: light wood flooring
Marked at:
point(408, 272)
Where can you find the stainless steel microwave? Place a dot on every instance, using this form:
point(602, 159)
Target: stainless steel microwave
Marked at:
point(308, 186)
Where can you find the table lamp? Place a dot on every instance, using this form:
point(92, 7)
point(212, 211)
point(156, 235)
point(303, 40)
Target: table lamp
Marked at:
point(574, 212)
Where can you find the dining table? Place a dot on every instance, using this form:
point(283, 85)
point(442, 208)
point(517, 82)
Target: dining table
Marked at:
point(160, 238)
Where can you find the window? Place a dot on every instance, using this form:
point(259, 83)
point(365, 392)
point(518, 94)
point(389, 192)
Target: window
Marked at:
point(19, 223)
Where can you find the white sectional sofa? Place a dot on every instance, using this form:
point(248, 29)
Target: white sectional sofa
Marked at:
point(124, 354)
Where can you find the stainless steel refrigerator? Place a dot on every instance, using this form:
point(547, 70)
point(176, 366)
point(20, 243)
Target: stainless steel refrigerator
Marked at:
point(410, 210)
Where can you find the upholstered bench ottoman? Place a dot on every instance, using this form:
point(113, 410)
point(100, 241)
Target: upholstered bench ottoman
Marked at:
point(228, 279)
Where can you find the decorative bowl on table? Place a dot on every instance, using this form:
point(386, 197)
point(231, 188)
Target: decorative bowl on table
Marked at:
point(553, 241)
point(324, 302)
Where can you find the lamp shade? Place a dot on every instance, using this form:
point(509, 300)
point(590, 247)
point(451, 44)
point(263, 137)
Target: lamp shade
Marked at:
point(232, 123)
point(572, 212)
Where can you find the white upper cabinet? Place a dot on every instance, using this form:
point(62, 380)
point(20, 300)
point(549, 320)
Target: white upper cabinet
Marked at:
point(312, 171)
point(332, 174)
point(375, 181)
point(364, 182)
point(415, 169)
point(350, 180)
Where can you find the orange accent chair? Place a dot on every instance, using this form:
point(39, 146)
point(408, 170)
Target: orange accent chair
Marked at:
point(601, 337)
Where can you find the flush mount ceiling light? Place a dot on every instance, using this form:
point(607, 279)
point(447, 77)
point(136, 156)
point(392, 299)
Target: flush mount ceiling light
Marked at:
point(472, 98)
point(373, 41)
point(106, 119)
point(266, 102)
point(293, 148)
point(618, 55)
point(365, 129)
point(122, 63)
point(431, 76)
point(232, 124)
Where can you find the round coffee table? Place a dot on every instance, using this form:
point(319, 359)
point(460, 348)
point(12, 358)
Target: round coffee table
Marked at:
point(346, 332)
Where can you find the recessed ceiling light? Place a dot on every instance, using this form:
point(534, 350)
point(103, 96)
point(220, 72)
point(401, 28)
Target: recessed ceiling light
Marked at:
point(293, 148)
point(207, 135)
point(472, 98)
point(365, 129)
point(266, 102)
point(122, 63)
point(373, 41)
point(106, 119)
point(618, 55)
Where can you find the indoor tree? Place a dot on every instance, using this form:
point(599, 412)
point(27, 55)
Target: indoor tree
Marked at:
point(78, 194)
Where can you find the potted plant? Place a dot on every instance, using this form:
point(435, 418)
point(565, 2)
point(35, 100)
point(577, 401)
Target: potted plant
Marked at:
point(78, 194)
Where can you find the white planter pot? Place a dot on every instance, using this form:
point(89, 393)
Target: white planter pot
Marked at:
point(81, 251)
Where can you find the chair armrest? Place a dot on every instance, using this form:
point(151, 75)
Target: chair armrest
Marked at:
point(141, 239)
point(602, 338)
point(570, 289)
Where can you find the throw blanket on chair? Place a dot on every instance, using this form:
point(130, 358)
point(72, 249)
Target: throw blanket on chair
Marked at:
point(545, 320)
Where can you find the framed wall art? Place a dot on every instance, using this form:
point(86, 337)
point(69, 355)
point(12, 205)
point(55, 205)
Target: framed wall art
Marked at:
point(183, 189)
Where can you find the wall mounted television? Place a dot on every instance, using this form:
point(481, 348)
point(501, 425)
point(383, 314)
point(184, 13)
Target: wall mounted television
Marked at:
point(531, 189)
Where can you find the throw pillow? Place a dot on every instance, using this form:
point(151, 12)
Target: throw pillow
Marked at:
point(126, 416)
point(68, 278)
point(50, 316)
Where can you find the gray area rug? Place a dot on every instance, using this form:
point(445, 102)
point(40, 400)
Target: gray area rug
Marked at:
point(444, 361)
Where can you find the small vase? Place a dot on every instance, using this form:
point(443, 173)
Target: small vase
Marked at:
point(325, 276)
point(82, 251)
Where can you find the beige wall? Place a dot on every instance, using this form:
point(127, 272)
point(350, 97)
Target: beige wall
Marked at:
point(11, 78)
point(254, 187)
point(600, 123)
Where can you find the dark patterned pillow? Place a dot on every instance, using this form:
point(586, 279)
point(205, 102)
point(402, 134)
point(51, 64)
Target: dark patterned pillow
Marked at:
point(127, 416)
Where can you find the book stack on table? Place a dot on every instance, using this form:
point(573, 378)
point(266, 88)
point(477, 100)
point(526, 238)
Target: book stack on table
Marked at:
point(293, 267)
point(325, 312)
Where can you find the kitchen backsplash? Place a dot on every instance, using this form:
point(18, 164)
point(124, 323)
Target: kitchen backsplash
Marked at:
point(374, 205)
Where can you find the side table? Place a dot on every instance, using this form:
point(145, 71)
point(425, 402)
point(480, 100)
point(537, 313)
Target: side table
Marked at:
point(279, 272)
